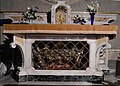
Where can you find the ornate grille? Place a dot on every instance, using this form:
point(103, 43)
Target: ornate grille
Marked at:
point(60, 55)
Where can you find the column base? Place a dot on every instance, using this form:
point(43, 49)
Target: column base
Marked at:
point(92, 78)
point(64, 76)
point(20, 75)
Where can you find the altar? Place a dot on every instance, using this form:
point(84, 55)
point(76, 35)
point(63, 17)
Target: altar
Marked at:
point(62, 50)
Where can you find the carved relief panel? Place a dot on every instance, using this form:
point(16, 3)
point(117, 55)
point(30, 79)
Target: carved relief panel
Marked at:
point(60, 16)
point(61, 13)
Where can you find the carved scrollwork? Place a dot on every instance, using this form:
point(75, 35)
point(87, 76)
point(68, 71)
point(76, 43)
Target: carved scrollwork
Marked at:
point(102, 54)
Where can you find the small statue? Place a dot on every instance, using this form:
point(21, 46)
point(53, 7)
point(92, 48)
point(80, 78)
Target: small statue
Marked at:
point(79, 20)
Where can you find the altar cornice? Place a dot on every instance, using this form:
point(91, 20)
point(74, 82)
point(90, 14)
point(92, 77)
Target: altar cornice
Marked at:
point(60, 29)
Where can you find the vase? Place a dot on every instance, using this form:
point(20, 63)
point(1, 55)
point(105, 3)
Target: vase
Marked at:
point(30, 21)
point(92, 17)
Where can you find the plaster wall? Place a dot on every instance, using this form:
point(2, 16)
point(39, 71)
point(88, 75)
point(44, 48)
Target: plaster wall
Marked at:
point(44, 6)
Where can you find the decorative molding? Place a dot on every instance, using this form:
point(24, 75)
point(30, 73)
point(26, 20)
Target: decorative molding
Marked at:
point(100, 18)
point(116, 0)
point(67, 1)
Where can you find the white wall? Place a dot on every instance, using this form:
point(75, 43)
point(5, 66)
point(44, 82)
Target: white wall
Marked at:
point(105, 6)
point(43, 5)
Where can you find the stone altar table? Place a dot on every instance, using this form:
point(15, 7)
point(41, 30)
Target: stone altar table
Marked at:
point(62, 52)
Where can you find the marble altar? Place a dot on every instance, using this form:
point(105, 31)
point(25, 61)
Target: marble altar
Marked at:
point(62, 50)
point(94, 36)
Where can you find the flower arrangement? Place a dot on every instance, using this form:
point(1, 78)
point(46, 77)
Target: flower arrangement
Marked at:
point(93, 7)
point(30, 13)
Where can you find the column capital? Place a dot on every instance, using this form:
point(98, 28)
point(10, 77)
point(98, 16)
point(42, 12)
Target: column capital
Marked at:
point(91, 41)
point(29, 41)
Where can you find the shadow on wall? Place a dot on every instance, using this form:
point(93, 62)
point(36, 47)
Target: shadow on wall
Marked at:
point(10, 56)
point(5, 21)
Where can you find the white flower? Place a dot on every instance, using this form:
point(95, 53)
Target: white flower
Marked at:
point(93, 7)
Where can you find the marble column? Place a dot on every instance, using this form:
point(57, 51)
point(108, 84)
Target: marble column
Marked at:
point(92, 57)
